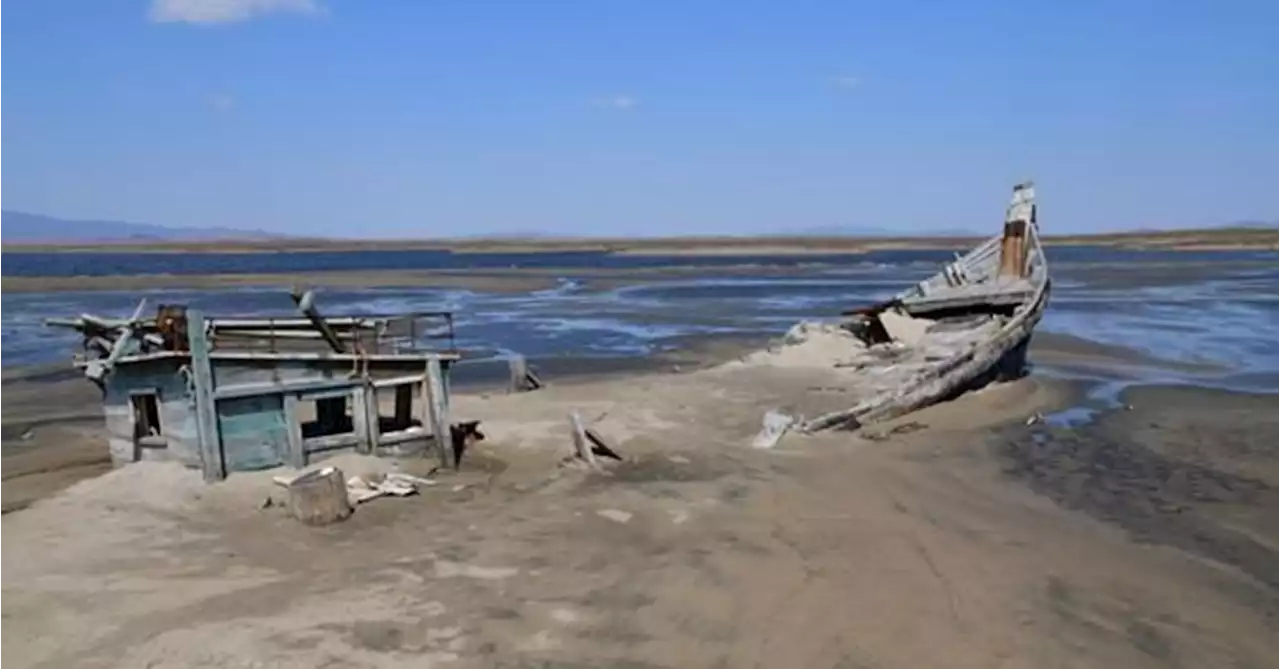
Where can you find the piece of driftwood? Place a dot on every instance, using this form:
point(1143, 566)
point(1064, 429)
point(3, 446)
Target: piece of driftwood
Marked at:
point(319, 497)
point(600, 447)
point(588, 445)
point(775, 425)
point(581, 448)
point(523, 379)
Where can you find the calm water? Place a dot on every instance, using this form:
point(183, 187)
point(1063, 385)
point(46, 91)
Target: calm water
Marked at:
point(1214, 310)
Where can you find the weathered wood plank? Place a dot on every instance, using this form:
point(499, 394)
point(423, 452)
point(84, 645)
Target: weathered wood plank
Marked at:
point(581, 446)
point(286, 386)
point(329, 442)
point(254, 432)
point(212, 464)
point(437, 410)
point(296, 453)
point(522, 378)
point(360, 420)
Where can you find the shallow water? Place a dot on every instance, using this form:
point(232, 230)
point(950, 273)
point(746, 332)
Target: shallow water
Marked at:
point(1211, 315)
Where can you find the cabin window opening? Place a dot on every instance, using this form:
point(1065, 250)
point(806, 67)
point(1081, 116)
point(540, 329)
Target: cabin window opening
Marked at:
point(146, 415)
point(329, 416)
point(405, 403)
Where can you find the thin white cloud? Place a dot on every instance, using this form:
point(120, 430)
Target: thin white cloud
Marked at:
point(847, 81)
point(221, 102)
point(620, 101)
point(226, 11)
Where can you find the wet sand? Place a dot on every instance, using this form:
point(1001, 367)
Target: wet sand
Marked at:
point(963, 537)
point(517, 280)
point(485, 281)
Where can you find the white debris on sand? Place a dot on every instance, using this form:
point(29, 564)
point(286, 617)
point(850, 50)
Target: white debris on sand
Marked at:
point(810, 344)
point(616, 515)
point(776, 424)
point(450, 569)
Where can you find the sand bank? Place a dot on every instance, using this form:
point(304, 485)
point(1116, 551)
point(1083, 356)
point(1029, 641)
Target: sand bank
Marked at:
point(953, 540)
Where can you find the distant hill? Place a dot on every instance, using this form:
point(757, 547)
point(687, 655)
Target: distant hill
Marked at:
point(21, 227)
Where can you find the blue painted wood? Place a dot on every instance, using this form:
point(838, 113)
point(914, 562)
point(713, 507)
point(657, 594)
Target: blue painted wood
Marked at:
point(206, 417)
point(339, 387)
point(177, 407)
point(254, 431)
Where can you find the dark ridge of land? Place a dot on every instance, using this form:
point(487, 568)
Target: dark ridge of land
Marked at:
point(1233, 238)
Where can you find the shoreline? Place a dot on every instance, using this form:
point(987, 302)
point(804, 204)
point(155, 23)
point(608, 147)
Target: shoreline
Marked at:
point(1208, 239)
point(30, 425)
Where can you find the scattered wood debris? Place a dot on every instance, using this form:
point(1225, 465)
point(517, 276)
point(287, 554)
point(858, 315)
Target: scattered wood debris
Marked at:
point(776, 424)
point(361, 489)
point(523, 379)
point(905, 428)
point(616, 515)
point(588, 446)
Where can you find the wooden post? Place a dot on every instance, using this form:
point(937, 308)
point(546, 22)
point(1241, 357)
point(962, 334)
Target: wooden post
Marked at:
point(212, 464)
point(437, 409)
point(320, 497)
point(1013, 249)
point(297, 457)
point(360, 419)
point(1013, 244)
point(522, 379)
point(372, 422)
point(581, 446)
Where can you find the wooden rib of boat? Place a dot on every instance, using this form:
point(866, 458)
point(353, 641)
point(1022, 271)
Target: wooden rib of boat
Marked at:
point(962, 328)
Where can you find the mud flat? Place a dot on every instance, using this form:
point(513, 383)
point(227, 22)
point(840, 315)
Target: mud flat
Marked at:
point(492, 282)
point(1222, 238)
point(956, 536)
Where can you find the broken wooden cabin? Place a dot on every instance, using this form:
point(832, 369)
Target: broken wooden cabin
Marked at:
point(235, 394)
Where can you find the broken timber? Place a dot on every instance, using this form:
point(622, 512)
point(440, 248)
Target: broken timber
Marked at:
point(522, 377)
point(588, 444)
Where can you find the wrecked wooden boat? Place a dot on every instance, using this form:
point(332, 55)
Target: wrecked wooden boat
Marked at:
point(962, 328)
point(226, 394)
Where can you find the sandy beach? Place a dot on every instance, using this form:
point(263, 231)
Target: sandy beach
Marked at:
point(964, 538)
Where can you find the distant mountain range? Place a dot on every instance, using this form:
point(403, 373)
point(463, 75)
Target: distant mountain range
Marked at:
point(22, 227)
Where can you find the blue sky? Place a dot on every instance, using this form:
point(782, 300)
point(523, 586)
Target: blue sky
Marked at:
point(446, 117)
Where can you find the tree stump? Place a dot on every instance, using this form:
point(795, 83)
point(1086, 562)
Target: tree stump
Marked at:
point(319, 497)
